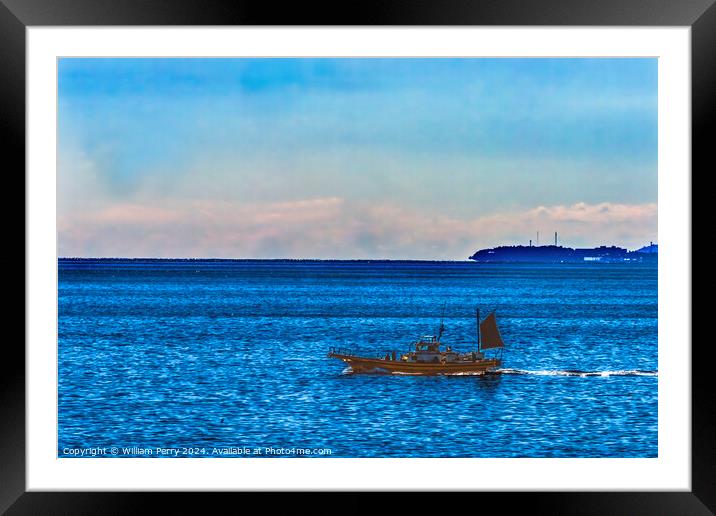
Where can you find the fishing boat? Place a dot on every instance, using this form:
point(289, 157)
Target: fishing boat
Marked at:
point(428, 355)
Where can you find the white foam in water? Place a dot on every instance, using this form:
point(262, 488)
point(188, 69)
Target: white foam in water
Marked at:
point(583, 374)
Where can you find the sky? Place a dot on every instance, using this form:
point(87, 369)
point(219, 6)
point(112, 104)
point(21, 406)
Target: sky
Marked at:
point(353, 158)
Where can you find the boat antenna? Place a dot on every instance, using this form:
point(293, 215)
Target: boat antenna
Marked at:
point(442, 326)
point(477, 325)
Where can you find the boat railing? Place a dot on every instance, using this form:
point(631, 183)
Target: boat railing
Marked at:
point(340, 351)
point(349, 351)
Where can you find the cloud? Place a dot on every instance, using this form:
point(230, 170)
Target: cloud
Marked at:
point(331, 227)
point(579, 224)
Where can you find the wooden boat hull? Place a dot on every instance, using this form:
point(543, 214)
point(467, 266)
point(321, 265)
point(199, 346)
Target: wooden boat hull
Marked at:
point(370, 365)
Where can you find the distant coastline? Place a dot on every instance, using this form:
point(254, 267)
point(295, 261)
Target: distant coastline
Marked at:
point(560, 254)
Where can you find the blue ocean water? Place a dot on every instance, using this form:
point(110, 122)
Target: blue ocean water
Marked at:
point(228, 358)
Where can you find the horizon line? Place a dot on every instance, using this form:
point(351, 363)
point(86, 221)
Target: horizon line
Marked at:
point(329, 259)
point(261, 259)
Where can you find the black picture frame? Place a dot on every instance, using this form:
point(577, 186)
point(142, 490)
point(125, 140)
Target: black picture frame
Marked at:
point(17, 15)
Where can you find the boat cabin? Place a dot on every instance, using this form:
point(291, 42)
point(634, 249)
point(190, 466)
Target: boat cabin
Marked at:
point(428, 343)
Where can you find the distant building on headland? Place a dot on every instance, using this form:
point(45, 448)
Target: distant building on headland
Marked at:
point(560, 254)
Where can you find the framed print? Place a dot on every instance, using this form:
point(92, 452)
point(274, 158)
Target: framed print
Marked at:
point(431, 251)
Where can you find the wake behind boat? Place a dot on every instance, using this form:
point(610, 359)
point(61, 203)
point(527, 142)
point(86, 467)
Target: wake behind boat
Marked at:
point(428, 356)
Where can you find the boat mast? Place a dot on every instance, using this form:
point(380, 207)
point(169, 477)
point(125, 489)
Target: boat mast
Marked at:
point(477, 325)
point(442, 326)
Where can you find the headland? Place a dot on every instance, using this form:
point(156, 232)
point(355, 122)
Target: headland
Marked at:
point(560, 254)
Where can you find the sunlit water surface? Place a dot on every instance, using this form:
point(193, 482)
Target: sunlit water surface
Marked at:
point(228, 358)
